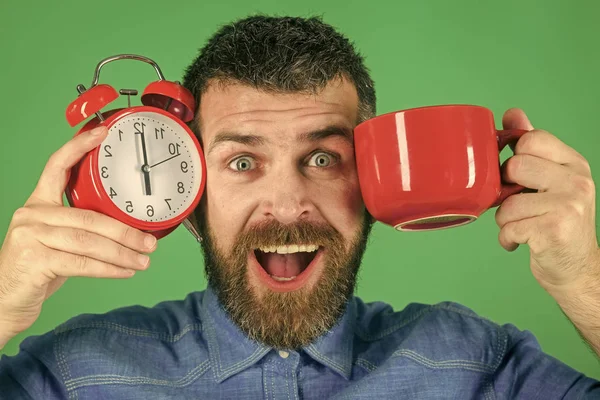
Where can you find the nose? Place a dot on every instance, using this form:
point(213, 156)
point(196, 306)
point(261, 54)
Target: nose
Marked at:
point(287, 197)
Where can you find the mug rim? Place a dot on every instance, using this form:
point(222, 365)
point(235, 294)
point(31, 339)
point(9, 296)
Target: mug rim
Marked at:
point(439, 106)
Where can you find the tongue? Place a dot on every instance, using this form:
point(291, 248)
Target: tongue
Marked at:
point(283, 265)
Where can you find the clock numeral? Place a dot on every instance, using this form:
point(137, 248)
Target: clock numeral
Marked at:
point(104, 173)
point(112, 193)
point(129, 207)
point(184, 167)
point(120, 133)
point(161, 131)
point(180, 187)
point(167, 201)
point(106, 149)
point(137, 125)
point(174, 148)
point(149, 211)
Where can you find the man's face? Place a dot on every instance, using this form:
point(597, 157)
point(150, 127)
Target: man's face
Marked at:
point(282, 217)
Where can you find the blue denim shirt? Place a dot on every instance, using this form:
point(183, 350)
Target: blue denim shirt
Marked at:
point(190, 349)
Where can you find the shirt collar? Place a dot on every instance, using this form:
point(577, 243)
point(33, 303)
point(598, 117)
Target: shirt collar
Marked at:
point(231, 351)
point(334, 348)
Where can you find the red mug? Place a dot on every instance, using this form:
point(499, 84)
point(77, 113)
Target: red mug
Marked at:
point(432, 167)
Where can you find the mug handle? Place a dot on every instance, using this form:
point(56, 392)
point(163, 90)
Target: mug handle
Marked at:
point(508, 137)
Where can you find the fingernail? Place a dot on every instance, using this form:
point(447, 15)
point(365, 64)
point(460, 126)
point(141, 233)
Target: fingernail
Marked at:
point(143, 260)
point(130, 271)
point(149, 241)
point(97, 131)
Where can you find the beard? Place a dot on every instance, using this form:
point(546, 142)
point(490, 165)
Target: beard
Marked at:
point(288, 320)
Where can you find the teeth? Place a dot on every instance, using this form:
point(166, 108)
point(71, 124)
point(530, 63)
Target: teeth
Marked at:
point(294, 248)
point(284, 249)
point(281, 279)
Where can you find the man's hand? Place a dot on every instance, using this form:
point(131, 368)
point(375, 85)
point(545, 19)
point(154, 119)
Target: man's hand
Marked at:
point(47, 242)
point(557, 221)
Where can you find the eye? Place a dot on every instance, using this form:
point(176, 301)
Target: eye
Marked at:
point(321, 159)
point(242, 164)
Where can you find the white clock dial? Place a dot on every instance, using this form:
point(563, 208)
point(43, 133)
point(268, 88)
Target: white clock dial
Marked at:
point(159, 186)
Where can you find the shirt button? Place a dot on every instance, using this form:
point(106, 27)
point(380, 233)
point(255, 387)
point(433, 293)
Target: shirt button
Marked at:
point(283, 354)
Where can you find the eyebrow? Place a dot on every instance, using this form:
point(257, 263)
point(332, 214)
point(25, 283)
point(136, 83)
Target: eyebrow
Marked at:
point(256, 140)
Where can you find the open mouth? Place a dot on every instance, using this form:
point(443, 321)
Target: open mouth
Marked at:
point(286, 268)
point(284, 263)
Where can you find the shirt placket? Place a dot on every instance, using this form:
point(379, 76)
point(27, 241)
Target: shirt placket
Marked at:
point(280, 375)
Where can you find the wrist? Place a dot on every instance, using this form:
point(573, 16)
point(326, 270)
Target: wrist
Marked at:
point(583, 279)
point(8, 328)
point(580, 301)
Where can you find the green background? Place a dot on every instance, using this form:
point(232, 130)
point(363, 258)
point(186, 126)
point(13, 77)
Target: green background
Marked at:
point(540, 56)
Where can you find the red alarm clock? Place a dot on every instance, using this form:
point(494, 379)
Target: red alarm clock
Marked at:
point(150, 170)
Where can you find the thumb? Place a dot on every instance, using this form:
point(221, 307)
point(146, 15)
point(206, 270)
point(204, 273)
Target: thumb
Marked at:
point(515, 118)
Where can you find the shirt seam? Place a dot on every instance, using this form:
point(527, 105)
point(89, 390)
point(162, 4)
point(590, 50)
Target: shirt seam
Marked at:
point(366, 364)
point(63, 366)
point(131, 331)
point(380, 335)
point(90, 380)
point(266, 380)
point(501, 350)
point(326, 360)
point(273, 383)
point(294, 375)
point(60, 332)
point(287, 383)
point(446, 364)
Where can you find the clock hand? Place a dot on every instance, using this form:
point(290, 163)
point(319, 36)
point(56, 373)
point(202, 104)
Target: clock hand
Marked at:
point(146, 171)
point(170, 158)
point(145, 167)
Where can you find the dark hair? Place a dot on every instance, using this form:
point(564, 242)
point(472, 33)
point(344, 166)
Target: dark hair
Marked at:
point(281, 54)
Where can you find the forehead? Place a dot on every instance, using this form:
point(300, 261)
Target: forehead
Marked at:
point(235, 106)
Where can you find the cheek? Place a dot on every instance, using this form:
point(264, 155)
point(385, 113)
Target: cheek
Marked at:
point(351, 196)
point(227, 209)
point(342, 205)
point(346, 200)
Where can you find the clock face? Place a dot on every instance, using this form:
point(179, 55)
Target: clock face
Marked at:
point(149, 166)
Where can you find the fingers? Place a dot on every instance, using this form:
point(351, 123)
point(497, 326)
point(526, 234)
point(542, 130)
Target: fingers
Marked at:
point(515, 233)
point(87, 220)
point(54, 178)
point(545, 145)
point(526, 205)
point(515, 118)
point(64, 264)
point(536, 173)
point(79, 242)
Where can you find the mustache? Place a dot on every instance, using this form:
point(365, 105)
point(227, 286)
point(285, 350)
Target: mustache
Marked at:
point(274, 233)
